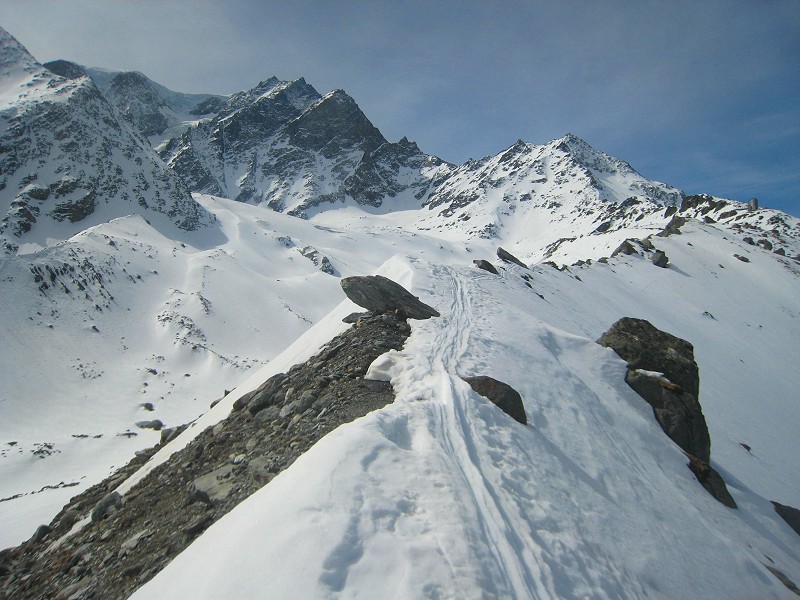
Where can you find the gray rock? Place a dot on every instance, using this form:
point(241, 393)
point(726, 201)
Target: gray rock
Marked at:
point(789, 514)
point(625, 248)
point(485, 265)
point(765, 244)
point(660, 259)
point(214, 486)
point(742, 258)
point(380, 294)
point(675, 399)
point(109, 504)
point(510, 258)
point(501, 394)
point(678, 412)
point(154, 424)
point(711, 481)
point(643, 346)
point(41, 532)
point(673, 227)
point(355, 317)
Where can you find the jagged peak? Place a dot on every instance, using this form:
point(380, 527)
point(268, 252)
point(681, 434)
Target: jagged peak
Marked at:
point(14, 56)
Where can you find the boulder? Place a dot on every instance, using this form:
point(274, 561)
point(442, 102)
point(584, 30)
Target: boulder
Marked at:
point(673, 227)
point(486, 266)
point(660, 259)
point(678, 412)
point(662, 370)
point(379, 294)
point(212, 487)
point(510, 258)
point(625, 248)
point(109, 504)
point(501, 394)
point(154, 424)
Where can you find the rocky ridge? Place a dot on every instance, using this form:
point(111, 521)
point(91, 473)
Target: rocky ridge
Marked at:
point(69, 161)
point(129, 539)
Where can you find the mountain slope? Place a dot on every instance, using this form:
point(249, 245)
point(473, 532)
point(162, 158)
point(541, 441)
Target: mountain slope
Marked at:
point(67, 160)
point(442, 495)
point(156, 112)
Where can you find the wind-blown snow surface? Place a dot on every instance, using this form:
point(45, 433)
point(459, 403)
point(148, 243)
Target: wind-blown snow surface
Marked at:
point(441, 495)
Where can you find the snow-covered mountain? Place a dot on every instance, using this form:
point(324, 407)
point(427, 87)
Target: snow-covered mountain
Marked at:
point(156, 112)
point(124, 325)
point(284, 145)
point(69, 161)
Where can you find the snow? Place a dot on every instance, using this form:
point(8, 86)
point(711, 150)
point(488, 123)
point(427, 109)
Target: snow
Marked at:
point(441, 495)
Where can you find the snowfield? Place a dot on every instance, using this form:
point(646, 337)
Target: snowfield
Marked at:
point(441, 495)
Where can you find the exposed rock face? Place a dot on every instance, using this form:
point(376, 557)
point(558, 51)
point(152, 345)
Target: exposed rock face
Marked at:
point(127, 543)
point(673, 227)
point(379, 294)
point(662, 370)
point(501, 394)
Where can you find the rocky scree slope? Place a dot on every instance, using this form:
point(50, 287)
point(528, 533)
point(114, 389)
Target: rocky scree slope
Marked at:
point(129, 539)
point(69, 161)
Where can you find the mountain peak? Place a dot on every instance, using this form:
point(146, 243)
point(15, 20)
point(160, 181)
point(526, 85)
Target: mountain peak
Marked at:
point(17, 66)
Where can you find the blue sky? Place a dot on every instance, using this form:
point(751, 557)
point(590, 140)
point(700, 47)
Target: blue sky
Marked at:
point(702, 95)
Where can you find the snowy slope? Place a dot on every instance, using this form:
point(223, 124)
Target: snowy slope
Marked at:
point(441, 495)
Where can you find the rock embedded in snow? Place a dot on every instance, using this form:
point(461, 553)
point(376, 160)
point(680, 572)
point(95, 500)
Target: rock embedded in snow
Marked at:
point(379, 294)
point(662, 370)
point(673, 227)
point(485, 265)
point(501, 394)
point(790, 514)
point(510, 258)
point(648, 350)
point(660, 259)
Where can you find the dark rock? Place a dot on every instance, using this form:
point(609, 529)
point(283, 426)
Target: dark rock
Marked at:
point(742, 258)
point(41, 532)
point(673, 227)
point(780, 251)
point(660, 259)
point(379, 294)
point(485, 265)
point(625, 248)
point(748, 240)
point(674, 397)
point(510, 258)
point(354, 317)
point(155, 424)
point(711, 481)
point(110, 503)
point(752, 204)
point(674, 402)
point(781, 576)
point(678, 412)
point(765, 244)
point(708, 220)
point(501, 394)
point(789, 514)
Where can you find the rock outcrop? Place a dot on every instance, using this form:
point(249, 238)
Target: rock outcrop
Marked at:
point(131, 538)
point(380, 294)
point(501, 394)
point(662, 370)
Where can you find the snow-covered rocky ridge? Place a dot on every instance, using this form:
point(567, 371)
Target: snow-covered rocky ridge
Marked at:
point(69, 161)
point(284, 145)
point(156, 112)
point(129, 321)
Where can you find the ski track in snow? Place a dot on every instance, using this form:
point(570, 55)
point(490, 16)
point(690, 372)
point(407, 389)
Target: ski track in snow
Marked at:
point(441, 495)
